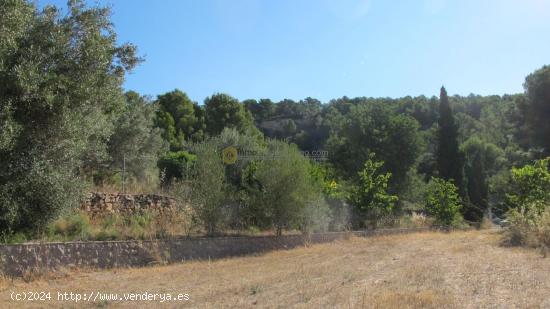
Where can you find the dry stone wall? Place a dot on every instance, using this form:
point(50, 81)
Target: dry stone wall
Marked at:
point(104, 203)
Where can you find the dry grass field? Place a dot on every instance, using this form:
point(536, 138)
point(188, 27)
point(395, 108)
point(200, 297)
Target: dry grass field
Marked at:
point(426, 270)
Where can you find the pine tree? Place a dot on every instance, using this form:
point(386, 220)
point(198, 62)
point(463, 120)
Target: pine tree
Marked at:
point(450, 160)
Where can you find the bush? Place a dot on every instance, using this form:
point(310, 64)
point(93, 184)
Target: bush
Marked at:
point(110, 233)
point(139, 226)
point(317, 216)
point(74, 227)
point(415, 220)
point(175, 165)
point(370, 196)
point(15, 238)
point(206, 187)
point(529, 228)
point(340, 214)
point(530, 186)
point(443, 202)
point(286, 188)
point(529, 216)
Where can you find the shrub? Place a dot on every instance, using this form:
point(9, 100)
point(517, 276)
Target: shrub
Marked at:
point(370, 196)
point(74, 227)
point(530, 186)
point(139, 226)
point(15, 238)
point(529, 216)
point(110, 233)
point(340, 214)
point(286, 187)
point(529, 228)
point(208, 188)
point(317, 216)
point(415, 220)
point(443, 202)
point(175, 165)
point(335, 194)
point(145, 225)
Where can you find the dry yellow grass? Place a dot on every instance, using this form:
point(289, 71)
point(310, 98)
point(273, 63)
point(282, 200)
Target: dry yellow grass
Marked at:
point(426, 270)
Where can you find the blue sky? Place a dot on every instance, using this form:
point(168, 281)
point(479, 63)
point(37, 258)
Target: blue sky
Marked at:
point(330, 48)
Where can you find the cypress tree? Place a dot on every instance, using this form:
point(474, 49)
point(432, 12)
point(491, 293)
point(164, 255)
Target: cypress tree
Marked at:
point(450, 160)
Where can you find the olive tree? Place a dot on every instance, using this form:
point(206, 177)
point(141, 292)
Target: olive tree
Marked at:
point(286, 186)
point(61, 77)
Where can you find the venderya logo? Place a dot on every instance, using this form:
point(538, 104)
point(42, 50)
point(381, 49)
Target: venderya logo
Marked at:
point(229, 155)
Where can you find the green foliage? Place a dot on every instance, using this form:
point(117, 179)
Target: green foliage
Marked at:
point(137, 224)
point(483, 160)
point(175, 165)
point(180, 119)
point(52, 131)
point(443, 202)
point(529, 201)
point(223, 111)
point(373, 128)
point(261, 110)
point(535, 108)
point(450, 160)
point(135, 141)
point(64, 120)
point(478, 189)
point(286, 186)
point(317, 216)
point(206, 188)
point(531, 228)
point(370, 196)
point(330, 186)
point(529, 188)
point(74, 226)
point(15, 238)
point(412, 198)
point(221, 194)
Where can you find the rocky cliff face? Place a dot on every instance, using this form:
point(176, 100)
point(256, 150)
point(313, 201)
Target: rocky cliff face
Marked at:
point(103, 203)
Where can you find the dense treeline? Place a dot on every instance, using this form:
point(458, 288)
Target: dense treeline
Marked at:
point(67, 126)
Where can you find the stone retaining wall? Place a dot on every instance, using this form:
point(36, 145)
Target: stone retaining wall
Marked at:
point(104, 203)
point(16, 260)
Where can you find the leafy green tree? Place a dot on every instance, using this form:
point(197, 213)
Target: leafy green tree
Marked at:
point(478, 189)
point(373, 128)
point(370, 196)
point(443, 202)
point(530, 185)
point(286, 186)
point(336, 194)
point(206, 188)
point(450, 160)
point(289, 127)
point(223, 111)
point(61, 78)
point(261, 110)
point(535, 108)
point(235, 207)
point(135, 142)
point(180, 118)
point(483, 161)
